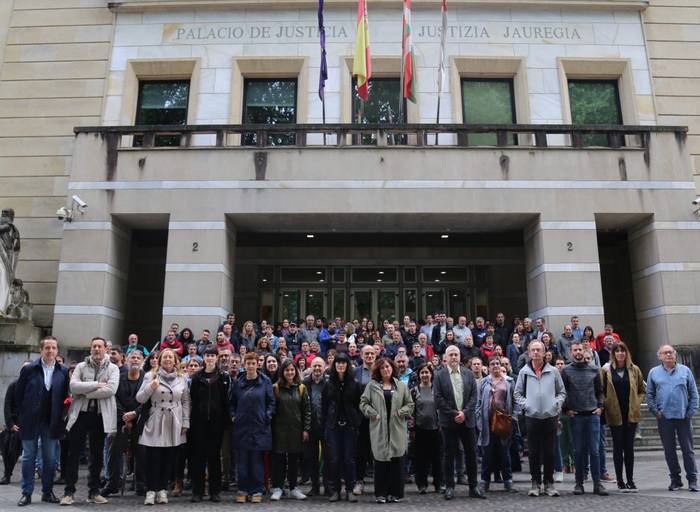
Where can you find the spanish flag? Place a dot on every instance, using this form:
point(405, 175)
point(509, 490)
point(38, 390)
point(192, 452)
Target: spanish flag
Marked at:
point(409, 65)
point(362, 63)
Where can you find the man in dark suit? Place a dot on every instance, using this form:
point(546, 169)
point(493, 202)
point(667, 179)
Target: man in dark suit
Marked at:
point(11, 443)
point(41, 389)
point(455, 398)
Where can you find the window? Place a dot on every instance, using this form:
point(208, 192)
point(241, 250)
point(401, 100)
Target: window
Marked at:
point(162, 102)
point(270, 101)
point(595, 102)
point(374, 274)
point(382, 107)
point(303, 275)
point(487, 101)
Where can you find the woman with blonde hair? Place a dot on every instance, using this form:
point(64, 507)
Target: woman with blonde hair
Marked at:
point(248, 336)
point(164, 424)
point(625, 389)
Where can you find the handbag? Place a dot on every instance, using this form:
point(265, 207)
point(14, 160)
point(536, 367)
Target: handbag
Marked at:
point(501, 424)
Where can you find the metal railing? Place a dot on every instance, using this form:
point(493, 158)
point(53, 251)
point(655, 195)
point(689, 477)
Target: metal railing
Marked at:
point(405, 135)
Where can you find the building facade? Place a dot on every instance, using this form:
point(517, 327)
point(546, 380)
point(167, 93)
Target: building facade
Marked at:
point(186, 224)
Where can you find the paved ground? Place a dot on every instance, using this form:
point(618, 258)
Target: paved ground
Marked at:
point(651, 478)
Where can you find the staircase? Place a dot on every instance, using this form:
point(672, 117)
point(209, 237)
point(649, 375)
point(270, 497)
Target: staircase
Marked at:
point(650, 434)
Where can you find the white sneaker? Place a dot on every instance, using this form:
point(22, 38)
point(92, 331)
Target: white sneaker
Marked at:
point(559, 477)
point(358, 489)
point(150, 498)
point(297, 494)
point(276, 494)
point(67, 500)
point(162, 497)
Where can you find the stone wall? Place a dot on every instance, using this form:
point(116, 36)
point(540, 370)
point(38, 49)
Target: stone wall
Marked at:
point(52, 78)
point(672, 30)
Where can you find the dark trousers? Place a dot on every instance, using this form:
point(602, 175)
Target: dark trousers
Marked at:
point(451, 438)
point(251, 471)
point(120, 443)
point(541, 436)
point(312, 460)
point(496, 457)
point(389, 478)
point(205, 446)
point(159, 464)
point(285, 464)
point(427, 447)
point(364, 450)
point(668, 430)
point(88, 424)
point(341, 447)
point(11, 449)
point(623, 450)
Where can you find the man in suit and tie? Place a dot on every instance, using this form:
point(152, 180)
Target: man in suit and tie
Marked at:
point(455, 398)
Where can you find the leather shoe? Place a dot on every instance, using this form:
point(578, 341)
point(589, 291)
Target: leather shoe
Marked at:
point(49, 497)
point(475, 492)
point(5, 480)
point(107, 491)
point(449, 493)
point(25, 500)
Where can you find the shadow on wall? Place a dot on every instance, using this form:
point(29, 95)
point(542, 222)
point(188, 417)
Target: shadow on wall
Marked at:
point(689, 355)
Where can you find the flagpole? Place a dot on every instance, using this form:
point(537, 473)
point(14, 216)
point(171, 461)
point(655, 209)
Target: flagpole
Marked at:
point(437, 121)
point(403, 53)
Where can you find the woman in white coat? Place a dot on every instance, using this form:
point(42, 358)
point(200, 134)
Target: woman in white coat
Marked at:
point(166, 419)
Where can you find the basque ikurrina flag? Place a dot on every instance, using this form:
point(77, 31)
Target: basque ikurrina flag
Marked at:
point(409, 69)
point(362, 62)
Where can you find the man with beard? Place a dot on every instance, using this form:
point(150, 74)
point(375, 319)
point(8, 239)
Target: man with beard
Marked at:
point(128, 410)
point(315, 384)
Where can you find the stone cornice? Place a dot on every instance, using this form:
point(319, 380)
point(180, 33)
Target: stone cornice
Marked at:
point(157, 5)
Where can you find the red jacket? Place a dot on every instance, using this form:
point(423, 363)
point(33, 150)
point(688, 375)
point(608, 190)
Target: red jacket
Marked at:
point(600, 340)
point(178, 347)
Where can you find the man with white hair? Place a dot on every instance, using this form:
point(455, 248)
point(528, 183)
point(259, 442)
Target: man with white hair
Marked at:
point(672, 396)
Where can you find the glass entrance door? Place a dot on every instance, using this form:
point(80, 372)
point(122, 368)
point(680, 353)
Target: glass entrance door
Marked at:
point(297, 303)
point(377, 304)
point(433, 300)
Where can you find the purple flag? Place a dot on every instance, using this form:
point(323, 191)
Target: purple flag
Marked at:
point(323, 75)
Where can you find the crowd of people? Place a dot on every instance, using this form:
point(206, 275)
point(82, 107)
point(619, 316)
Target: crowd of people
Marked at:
point(327, 403)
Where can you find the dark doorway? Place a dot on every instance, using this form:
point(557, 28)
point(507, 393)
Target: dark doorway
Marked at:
point(146, 285)
point(618, 293)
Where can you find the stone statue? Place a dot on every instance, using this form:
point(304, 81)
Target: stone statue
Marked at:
point(9, 256)
point(19, 306)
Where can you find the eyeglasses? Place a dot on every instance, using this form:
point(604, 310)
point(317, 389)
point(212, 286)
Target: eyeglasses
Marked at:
point(667, 352)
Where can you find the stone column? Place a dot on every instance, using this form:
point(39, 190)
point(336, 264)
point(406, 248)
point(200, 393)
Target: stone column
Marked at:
point(665, 264)
point(198, 274)
point(92, 283)
point(563, 273)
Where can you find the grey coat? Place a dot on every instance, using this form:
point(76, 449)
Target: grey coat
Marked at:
point(542, 397)
point(482, 408)
point(84, 385)
point(388, 436)
point(169, 412)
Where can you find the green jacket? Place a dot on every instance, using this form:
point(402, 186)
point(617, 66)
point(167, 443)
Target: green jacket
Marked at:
point(292, 418)
point(388, 437)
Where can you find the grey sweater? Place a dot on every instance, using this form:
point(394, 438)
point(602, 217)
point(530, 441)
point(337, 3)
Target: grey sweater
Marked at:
point(584, 389)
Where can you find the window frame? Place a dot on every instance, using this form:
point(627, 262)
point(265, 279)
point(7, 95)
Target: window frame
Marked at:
point(138, 139)
point(513, 109)
point(244, 109)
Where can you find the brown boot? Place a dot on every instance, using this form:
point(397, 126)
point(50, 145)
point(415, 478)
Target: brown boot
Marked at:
point(177, 489)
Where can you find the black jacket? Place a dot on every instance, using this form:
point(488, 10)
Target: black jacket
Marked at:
point(317, 419)
point(126, 397)
point(350, 396)
point(210, 400)
point(11, 412)
point(445, 398)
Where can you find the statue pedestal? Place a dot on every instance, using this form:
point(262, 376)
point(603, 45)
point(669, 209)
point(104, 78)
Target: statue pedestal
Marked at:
point(19, 332)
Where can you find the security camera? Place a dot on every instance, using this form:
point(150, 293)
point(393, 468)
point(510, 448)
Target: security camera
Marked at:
point(696, 201)
point(82, 205)
point(64, 213)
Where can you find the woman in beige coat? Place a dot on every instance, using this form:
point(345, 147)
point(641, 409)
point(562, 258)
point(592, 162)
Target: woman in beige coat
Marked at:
point(387, 404)
point(166, 421)
point(624, 391)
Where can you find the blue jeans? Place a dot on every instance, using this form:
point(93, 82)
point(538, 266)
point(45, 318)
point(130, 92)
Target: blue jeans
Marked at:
point(668, 430)
point(341, 448)
point(558, 462)
point(602, 445)
point(30, 448)
point(586, 434)
point(250, 472)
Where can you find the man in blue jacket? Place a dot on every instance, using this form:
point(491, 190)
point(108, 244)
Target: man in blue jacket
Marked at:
point(672, 396)
point(41, 389)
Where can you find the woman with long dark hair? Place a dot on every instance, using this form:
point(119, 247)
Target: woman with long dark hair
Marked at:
point(340, 404)
point(388, 405)
point(271, 367)
point(290, 429)
point(624, 391)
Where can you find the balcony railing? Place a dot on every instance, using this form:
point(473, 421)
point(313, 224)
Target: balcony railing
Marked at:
point(412, 135)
